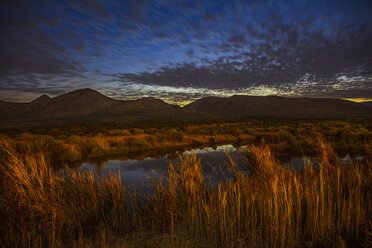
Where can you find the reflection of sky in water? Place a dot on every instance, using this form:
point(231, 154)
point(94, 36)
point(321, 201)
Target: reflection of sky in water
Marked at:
point(300, 162)
point(347, 158)
point(227, 148)
point(140, 172)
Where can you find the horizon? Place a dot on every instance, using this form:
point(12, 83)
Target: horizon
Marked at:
point(183, 51)
point(182, 104)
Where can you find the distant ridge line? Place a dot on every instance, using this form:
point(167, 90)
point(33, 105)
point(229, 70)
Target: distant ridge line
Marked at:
point(91, 105)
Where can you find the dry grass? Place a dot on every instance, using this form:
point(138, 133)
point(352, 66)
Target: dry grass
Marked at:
point(270, 206)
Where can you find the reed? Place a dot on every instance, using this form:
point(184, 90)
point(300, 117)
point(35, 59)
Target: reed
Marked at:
point(274, 206)
point(266, 205)
point(42, 208)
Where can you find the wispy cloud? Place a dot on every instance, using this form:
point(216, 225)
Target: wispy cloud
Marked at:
point(310, 48)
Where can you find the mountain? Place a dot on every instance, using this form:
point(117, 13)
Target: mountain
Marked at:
point(368, 103)
point(274, 106)
point(76, 104)
point(8, 108)
point(90, 105)
point(41, 99)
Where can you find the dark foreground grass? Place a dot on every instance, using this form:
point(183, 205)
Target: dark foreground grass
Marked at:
point(271, 206)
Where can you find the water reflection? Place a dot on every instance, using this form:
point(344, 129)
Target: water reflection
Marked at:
point(139, 169)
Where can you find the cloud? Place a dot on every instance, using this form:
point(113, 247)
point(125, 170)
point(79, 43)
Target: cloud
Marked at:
point(286, 58)
point(190, 52)
point(237, 38)
point(221, 46)
point(209, 18)
point(195, 26)
point(162, 36)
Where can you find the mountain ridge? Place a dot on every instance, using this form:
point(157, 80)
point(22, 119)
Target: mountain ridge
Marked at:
point(368, 103)
point(91, 105)
point(240, 106)
point(41, 99)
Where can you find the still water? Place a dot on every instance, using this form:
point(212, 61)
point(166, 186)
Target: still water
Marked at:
point(139, 169)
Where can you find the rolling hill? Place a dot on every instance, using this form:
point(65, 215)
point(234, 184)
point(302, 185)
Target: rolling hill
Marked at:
point(91, 105)
point(368, 103)
point(274, 106)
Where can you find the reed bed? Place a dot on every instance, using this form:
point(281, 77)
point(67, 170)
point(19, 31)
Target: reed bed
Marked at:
point(266, 205)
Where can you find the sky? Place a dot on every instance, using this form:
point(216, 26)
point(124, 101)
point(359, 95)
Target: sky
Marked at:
point(180, 51)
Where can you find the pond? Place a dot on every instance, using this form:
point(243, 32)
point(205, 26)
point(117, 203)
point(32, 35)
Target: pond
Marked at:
point(139, 169)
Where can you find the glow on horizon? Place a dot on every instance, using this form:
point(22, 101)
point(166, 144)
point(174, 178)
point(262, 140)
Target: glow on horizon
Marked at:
point(358, 99)
point(165, 93)
point(184, 95)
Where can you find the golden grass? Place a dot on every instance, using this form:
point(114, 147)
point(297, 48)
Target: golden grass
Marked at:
point(277, 207)
point(269, 206)
point(76, 143)
point(44, 206)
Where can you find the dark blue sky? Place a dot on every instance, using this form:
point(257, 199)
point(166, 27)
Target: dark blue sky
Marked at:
point(183, 50)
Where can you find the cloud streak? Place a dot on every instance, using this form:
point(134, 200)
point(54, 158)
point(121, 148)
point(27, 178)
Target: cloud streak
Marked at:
point(307, 48)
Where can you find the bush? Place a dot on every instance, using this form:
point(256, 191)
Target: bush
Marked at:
point(47, 144)
point(136, 143)
point(21, 147)
point(95, 146)
point(196, 143)
point(115, 132)
point(119, 132)
point(98, 151)
point(160, 138)
point(55, 132)
point(136, 131)
point(26, 136)
point(73, 140)
point(174, 136)
point(150, 139)
point(116, 143)
point(151, 131)
point(72, 154)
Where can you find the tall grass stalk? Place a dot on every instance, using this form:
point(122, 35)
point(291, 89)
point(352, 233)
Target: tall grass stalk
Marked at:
point(266, 205)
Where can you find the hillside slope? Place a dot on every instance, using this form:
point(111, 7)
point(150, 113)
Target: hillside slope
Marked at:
point(91, 105)
point(273, 106)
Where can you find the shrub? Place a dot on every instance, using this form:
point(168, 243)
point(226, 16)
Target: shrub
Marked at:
point(196, 143)
point(119, 132)
point(95, 147)
point(151, 131)
point(73, 140)
point(115, 132)
point(26, 136)
point(174, 136)
point(50, 146)
point(55, 132)
point(150, 139)
point(116, 143)
point(132, 142)
point(72, 155)
point(98, 151)
point(136, 131)
point(160, 138)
